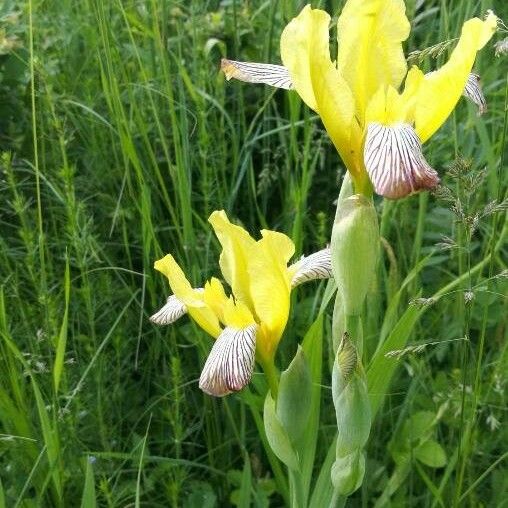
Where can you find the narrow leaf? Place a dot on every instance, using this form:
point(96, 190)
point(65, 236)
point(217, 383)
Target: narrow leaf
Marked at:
point(88, 499)
point(62, 337)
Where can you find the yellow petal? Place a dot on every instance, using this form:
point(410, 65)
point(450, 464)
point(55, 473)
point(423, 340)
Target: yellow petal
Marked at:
point(440, 91)
point(237, 314)
point(215, 297)
point(305, 52)
point(236, 243)
point(370, 35)
point(295, 52)
point(204, 316)
point(270, 287)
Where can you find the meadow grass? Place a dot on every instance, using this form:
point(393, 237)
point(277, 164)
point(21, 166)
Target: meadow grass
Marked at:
point(119, 137)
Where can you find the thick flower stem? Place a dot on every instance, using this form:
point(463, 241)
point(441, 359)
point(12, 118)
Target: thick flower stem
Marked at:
point(296, 488)
point(272, 376)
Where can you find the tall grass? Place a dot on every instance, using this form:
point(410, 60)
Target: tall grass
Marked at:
point(119, 138)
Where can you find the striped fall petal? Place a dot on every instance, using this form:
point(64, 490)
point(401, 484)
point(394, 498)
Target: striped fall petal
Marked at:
point(230, 364)
point(395, 162)
point(315, 266)
point(473, 91)
point(173, 309)
point(250, 72)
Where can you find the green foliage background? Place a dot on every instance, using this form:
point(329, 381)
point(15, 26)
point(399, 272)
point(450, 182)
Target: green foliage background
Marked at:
point(119, 136)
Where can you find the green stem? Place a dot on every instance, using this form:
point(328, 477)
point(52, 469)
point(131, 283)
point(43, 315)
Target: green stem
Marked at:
point(272, 376)
point(297, 491)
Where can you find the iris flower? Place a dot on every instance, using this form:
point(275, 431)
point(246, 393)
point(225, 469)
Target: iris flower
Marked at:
point(249, 323)
point(376, 124)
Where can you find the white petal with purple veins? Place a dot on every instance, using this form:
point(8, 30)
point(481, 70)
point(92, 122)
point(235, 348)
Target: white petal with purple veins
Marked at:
point(315, 266)
point(250, 72)
point(172, 310)
point(230, 364)
point(473, 91)
point(395, 162)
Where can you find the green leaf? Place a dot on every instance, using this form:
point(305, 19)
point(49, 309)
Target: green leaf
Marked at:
point(62, 337)
point(313, 348)
point(431, 454)
point(2, 496)
point(201, 496)
point(418, 426)
point(382, 368)
point(246, 485)
point(88, 498)
point(294, 398)
point(277, 435)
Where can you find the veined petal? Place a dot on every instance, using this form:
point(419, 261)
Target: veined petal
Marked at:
point(236, 243)
point(305, 52)
point(315, 266)
point(173, 309)
point(250, 72)
point(440, 91)
point(395, 162)
point(473, 91)
point(204, 316)
point(370, 35)
point(230, 364)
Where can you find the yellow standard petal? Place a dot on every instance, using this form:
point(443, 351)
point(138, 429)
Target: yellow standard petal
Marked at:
point(204, 316)
point(305, 52)
point(236, 243)
point(370, 35)
point(440, 91)
point(270, 286)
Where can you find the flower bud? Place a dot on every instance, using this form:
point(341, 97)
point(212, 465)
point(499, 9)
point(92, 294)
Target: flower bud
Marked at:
point(351, 400)
point(348, 472)
point(355, 250)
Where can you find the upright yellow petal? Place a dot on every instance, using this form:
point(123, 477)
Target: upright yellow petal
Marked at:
point(237, 314)
point(215, 297)
point(236, 243)
point(305, 52)
point(204, 316)
point(440, 91)
point(270, 287)
point(370, 35)
point(296, 53)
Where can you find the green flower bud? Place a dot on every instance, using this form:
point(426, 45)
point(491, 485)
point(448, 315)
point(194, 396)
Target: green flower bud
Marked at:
point(351, 400)
point(347, 473)
point(355, 250)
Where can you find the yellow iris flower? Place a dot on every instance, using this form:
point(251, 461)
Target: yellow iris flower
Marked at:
point(250, 322)
point(376, 125)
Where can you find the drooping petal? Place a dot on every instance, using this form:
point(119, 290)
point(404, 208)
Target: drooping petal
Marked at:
point(473, 91)
point(370, 35)
point(315, 266)
point(204, 316)
point(250, 72)
point(395, 162)
point(236, 243)
point(172, 310)
point(440, 91)
point(270, 286)
point(305, 52)
point(230, 364)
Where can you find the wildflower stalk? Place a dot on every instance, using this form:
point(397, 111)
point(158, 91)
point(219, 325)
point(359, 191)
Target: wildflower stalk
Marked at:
point(355, 250)
point(272, 376)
